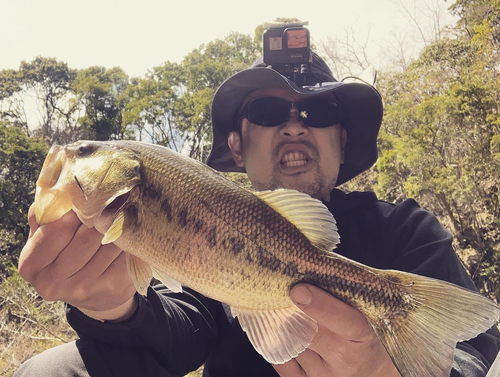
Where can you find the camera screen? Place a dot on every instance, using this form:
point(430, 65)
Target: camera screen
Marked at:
point(297, 38)
point(276, 43)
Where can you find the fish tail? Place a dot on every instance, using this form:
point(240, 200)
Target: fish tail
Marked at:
point(439, 314)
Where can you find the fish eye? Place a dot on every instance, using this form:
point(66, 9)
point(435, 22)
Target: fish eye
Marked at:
point(84, 150)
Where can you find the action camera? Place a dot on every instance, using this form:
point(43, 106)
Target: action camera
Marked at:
point(287, 49)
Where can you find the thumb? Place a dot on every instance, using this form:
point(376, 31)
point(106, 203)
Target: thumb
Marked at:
point(301, 295)
point(331, 313)
point(32, 220)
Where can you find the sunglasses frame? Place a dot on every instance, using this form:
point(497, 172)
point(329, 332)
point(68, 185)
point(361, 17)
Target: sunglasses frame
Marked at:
point(245, 112)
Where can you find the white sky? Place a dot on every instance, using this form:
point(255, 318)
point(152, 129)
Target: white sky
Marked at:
point(139, 35)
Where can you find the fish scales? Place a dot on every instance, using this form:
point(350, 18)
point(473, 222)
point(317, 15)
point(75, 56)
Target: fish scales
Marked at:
point(184, 223)
point(273, 247)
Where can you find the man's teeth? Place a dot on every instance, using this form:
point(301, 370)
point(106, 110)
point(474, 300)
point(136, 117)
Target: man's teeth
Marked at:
point(290, 164)
point(294, 159)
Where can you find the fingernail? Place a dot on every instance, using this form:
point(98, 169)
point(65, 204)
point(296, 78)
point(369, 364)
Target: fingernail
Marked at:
point(301, 295)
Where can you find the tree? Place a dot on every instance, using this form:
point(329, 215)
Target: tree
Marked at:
point(21, 160)
point(44, 86)
point(11, 103)
point(479, 13)
point(171, 105)
point(346, 55)
point(211, 64)
point(206, 69)
point(441, 122)
point(50, 81)
point(101, 93)
point(149, 110)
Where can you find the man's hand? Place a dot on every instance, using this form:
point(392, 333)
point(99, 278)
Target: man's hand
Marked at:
point(345, 344)
point(65, 261)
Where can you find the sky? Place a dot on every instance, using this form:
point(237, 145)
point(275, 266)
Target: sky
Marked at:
point(139, 35)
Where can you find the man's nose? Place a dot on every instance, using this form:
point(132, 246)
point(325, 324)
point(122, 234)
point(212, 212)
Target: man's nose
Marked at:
point(293, 127)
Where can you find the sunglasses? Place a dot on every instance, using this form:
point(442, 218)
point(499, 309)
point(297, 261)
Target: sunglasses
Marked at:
point(273, 111)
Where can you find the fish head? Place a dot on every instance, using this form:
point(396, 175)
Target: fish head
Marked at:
point(85, 176)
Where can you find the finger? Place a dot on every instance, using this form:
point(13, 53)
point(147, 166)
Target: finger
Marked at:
point(116, 277)
point(327, 344)
point(109, 260)
point(290, 369)
point(335, 352)
point(46, 244)
point(112, 288)
point(313, 364)
point(77, 254)
point(72, 277)
point(331, 313)
point(349, 358)
point(96, 287)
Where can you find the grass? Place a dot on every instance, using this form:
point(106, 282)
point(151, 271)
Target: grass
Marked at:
point(30, 325)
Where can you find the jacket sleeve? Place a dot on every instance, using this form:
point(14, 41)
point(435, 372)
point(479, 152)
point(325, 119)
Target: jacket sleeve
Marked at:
point(422, 246)
point(170, 334)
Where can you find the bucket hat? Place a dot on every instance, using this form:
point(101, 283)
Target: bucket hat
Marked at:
point(360, 103)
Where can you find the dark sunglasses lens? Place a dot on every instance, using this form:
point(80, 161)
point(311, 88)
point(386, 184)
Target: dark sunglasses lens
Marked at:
point(268, 111)
point(319, 112)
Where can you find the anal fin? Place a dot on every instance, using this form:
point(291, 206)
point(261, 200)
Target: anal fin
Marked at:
point(278, 335)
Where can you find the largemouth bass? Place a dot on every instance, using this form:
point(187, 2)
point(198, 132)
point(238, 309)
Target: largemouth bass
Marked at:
point(185, 224)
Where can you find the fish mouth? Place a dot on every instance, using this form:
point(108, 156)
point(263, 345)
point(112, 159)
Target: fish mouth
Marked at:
point(51, 202)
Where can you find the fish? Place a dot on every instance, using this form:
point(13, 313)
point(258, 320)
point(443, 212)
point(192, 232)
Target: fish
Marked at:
point(495, 368)
point(185, 224)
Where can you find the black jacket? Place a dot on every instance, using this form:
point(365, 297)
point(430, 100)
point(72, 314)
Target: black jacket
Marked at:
point(172, 334)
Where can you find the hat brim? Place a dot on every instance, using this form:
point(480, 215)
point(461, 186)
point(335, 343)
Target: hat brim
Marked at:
point(361, 106)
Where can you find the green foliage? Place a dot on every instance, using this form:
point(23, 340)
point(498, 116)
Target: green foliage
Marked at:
point(495, 146)
point(193, 121)
point(241, 179)
point(171, 105)
point(46, 82)
point(53, 75)
point(149, 108)
point(439, 144)
point(211, 64)
point(21, 159)
point(9, 85)
point(206, 69)
point(475, 14)
point(100, 91)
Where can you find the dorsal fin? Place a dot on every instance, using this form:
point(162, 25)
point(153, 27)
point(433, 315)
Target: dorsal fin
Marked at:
point(309, 215)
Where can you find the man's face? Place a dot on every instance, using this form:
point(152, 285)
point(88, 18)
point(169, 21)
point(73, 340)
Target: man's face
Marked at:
point(290, 155)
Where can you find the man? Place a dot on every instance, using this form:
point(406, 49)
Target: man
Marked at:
point(309, 138)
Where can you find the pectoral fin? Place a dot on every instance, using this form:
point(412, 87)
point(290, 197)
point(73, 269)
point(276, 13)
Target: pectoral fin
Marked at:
point(140, 272)
point(125, 220)
point(278, 335)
